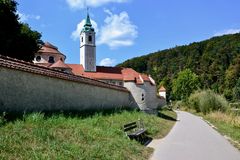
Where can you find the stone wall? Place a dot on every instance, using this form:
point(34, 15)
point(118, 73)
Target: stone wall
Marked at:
point(145, 95)
point(27, 87)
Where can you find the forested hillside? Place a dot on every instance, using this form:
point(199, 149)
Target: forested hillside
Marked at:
point(216, 61)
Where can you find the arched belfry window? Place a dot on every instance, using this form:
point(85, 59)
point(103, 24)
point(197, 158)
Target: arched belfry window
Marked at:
point(89, 38)
point(81, 39)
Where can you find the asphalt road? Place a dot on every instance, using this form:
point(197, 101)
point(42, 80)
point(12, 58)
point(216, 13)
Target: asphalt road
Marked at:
point(193, 139)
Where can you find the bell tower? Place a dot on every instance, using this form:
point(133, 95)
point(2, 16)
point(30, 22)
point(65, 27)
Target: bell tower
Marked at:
point(88, 46)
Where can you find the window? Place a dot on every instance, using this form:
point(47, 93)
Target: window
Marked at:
point(38, 58)
point(51, 59)
point(142, 97)
point(61, 59)
point(89, 38)
point(82, 39)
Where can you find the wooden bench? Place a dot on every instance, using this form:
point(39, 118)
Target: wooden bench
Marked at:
point(135, 130)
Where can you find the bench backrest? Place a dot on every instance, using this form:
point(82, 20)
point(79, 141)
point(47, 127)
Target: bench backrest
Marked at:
point(130, 126)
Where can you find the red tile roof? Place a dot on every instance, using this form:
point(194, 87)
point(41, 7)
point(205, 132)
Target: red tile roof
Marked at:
point(112, 73)
point(60, 64)
point(44, 64)
point(46, 71)
point(49, 48)
point(101, 73)
point(77, 69)
point(131, 75)
point(162, 89)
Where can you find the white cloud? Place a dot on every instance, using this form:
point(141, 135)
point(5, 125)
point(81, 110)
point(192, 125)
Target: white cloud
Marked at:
point(107, 62)
point(75, 34)
point(25, 17)
point(227, 31)
point(117, 31)
point(80, 4)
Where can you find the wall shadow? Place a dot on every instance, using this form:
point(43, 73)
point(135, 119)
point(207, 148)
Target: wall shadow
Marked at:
point(6, 117)
point(164, 116)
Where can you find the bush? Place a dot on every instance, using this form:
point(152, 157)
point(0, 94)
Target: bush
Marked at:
point(206, 101)
point(235, 105)
point(236, 91)
point(179, 105)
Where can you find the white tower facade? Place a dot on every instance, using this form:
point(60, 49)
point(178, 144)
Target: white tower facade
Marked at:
point(88, 47)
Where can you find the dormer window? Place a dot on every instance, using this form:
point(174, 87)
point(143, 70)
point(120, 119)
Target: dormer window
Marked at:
point(38, 58)
point(89, 38)
point(51, 59)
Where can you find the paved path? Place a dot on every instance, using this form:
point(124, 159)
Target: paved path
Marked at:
point(193, 139)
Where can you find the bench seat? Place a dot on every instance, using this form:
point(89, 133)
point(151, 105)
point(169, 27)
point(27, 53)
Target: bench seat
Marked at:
point(137, 133)
point(135, 130)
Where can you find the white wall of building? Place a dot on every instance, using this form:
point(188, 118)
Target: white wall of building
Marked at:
point(162, 94)
point(145, 95)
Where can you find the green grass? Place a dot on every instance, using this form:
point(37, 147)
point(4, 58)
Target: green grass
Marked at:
point(227, 124)
point(97, 136)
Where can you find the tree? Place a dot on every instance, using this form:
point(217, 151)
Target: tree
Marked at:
point(17, 39)
point(236, 91)
point(216, 61)
point(185, 83)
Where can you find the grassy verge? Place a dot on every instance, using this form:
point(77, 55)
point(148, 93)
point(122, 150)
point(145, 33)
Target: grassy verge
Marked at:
point(227, 124)
point(98, 136)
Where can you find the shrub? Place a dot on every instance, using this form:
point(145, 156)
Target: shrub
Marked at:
point(236, 91)
point(235, 105)
point(206, 101)
point(179, 104)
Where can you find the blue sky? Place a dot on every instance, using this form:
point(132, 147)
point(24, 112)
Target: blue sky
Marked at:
point(129, 28)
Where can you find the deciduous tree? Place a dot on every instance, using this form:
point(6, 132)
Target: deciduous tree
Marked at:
point(17, 39)
point(185, 83)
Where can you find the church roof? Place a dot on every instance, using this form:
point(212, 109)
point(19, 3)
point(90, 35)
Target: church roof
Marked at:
point(88, 21)
point(44, 64)
point(101, 72)
point(60, 64)
point(88, 25)
point(112, 73)
point(49, 48)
